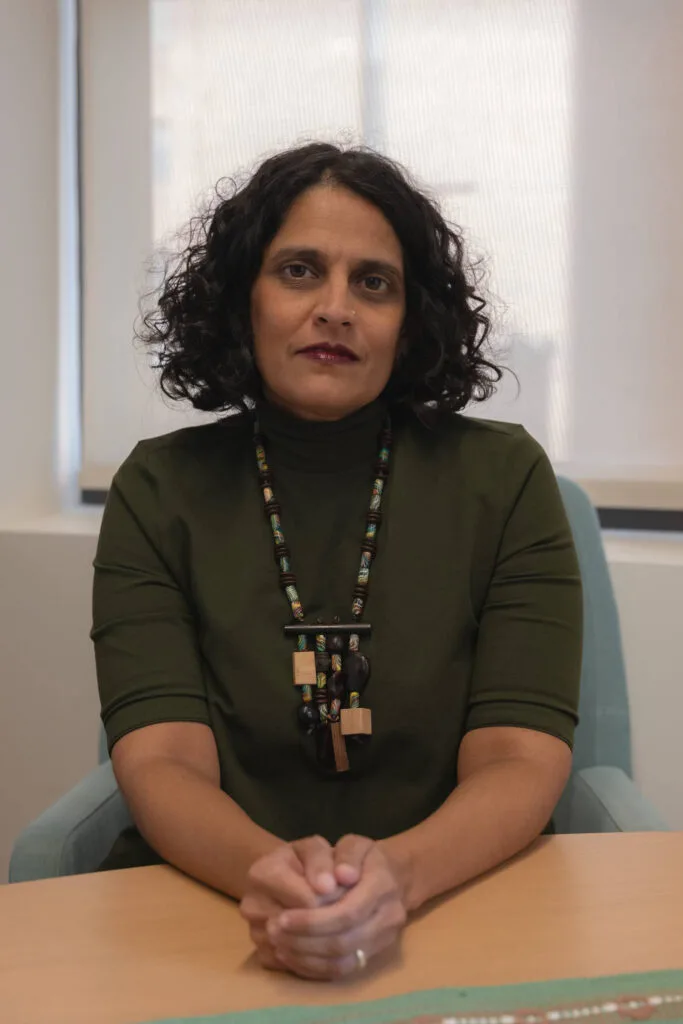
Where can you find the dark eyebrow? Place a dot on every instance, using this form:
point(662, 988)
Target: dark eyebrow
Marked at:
point(365, 266)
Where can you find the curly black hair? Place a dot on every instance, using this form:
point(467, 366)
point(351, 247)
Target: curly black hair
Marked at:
point(200, 328)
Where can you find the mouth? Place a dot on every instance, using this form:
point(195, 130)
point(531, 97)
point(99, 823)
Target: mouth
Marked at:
point(330, 354)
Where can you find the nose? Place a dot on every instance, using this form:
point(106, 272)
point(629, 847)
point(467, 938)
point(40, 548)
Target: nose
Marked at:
point(334, 306)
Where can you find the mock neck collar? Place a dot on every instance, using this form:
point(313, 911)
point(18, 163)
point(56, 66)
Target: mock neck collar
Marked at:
point(322, 447)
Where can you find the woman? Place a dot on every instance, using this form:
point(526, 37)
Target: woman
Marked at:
point(328, 302)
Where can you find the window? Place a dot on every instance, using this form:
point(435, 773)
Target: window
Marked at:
point(544, 128)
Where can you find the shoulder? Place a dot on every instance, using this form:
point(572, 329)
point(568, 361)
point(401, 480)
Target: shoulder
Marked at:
point(474, 463)
point(479, 443)
point(189, 458)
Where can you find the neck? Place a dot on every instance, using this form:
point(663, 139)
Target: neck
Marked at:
point(310, 413)
point(323, 446)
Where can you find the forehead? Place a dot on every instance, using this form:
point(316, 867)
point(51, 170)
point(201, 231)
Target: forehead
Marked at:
point(337, 221)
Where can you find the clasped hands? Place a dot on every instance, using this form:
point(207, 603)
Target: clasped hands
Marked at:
point(311, 906)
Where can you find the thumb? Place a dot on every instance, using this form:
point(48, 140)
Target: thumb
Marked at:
point(349, 856)
point(317, 860)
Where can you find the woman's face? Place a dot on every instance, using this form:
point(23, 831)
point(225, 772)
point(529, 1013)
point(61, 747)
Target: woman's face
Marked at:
point(328, 305)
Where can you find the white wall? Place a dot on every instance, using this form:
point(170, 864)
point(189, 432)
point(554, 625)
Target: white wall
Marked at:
point(29, 189)
point(48, 696)
point(648, 581)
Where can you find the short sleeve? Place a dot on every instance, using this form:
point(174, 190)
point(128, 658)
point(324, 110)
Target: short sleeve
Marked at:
point(528, 658)
point(149, 668)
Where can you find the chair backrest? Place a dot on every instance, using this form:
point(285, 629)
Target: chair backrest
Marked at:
point(604, 735)
point(102, 752)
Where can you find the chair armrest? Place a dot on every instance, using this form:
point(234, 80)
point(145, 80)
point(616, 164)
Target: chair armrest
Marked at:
point(605, 799)
point(74, 835)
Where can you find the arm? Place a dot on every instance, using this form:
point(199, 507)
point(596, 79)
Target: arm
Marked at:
point(515, 757)
point(169, 776)
point(509, 780)
point(150, 678)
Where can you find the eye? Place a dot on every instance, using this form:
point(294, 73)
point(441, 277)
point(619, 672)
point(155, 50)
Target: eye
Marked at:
point(296, 271)
point(375, 284)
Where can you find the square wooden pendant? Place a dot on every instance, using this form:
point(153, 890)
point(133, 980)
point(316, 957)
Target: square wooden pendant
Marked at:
point(356, 722)
point(304, 668)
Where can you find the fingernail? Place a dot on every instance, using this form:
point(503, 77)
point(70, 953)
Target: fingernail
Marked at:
point(283, 922)
point(273, 929)
point(326, 882)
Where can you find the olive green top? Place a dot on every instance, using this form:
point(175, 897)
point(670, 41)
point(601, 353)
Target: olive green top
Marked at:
point(475, 604)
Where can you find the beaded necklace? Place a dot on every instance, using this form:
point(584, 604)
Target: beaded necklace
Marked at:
point(334, 672)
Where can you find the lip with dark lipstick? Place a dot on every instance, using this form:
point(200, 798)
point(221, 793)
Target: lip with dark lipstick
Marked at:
point(325, 352)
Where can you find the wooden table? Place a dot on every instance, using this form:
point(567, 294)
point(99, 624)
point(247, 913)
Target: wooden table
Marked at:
point(131, 946)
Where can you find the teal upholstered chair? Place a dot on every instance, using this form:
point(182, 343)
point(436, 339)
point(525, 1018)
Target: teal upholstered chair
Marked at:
point(76, 833)
point(600, 796)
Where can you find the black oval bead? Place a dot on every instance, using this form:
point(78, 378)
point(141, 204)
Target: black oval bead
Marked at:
point(374, 517)
point(308, 716)
point(381, 470)
point(356, 672)
point(336, 686)
point(266, 478)
point(323, 662)
point(360, 591)
point(334, 643)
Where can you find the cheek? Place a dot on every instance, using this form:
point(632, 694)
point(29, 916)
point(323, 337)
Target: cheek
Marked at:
point(386, 342)
point(271, 326)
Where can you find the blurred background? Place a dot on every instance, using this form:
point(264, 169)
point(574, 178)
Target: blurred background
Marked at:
point(551, 132)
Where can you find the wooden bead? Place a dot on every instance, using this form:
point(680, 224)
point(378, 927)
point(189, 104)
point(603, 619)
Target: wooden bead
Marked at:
point(304, 668)
point(356, 722)
point(272, 508)
point(288, 579)
point(374, 517)
point(281, 551)
point(341, 758)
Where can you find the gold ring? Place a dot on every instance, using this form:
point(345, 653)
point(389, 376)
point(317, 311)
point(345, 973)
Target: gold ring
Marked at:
point(361, 960)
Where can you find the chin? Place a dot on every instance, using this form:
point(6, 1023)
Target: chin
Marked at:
point(322, 402)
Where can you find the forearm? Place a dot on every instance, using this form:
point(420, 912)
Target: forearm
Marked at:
point(489, 817)
point(195, 826)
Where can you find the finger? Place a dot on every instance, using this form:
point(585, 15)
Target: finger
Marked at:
point(264, 948)
point(348, 913)
point(281, 880)
point(317, 860)
point(268, 958)
point(257, 909)
point(317, 968)
point(378, 931)
point(349, 855)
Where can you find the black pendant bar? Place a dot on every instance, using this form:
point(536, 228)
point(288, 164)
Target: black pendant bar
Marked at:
point(299, 629)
